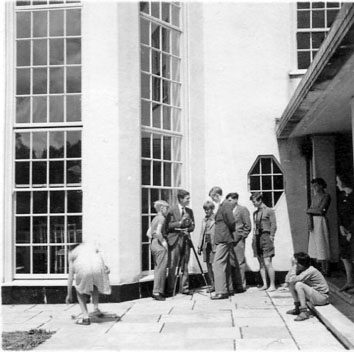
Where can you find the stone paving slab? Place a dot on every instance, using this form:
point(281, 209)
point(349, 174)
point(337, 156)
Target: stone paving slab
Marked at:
point(263, 344)
point(197, 317)
point(256, 313)
point(184, 327)
point(214, 333)
point(255, 332)
point(136, 327)
point(259, 322)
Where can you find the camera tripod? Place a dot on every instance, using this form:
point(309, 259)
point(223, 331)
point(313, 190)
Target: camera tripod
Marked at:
point(186, 240)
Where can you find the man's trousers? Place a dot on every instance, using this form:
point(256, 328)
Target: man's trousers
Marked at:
point(240, 255)
point(160, 256)
point(222, 269)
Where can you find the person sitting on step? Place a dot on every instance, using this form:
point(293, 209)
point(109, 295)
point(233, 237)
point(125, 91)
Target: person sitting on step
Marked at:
point(306, 283)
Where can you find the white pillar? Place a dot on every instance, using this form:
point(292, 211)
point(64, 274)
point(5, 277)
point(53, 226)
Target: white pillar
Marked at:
point(324, 166)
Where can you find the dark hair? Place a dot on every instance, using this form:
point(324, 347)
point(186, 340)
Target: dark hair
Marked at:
point(346, 179)
point(233, 195)
point(303, 259)
point(320, 181)
point(256, 196)
point(181, 193)
point(216, 190)
point(208, 205)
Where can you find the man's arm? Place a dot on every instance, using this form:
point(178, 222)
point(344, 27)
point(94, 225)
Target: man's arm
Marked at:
point(172, 223)
point(273, 222)
point(246, 220)
point(69, 297)
point(228, 216)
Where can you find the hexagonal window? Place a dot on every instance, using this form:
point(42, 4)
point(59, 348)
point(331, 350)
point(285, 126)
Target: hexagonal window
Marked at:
point(267, 177)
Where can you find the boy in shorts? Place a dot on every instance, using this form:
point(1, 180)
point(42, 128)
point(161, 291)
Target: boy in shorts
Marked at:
point(306, 283)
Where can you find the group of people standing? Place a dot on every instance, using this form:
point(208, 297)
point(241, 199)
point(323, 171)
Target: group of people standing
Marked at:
point(224, 230)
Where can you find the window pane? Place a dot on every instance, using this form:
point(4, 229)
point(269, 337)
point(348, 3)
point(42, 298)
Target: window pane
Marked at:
point(145, 113)
point(23, 25)
point(165, 11)
point(276, 169)
point(74, 201)
point(145, 257)
point(23, 260)
point(23, 81)
point(331, 16)
point(144, 228)
point(144, 7)
point(40, 52)
point(56, 21)
point(145, 145)
point(40, 258)
point(175, 16)
point(22, 173)
point(155, 61)
point(39, 81)
point(22, 145)
point(317, 39)
point(23, 229)
point(177, 175)
point(74, 229)
point(23, 109)
point(266, 165)
point(39, 145)
point(145, 172)
point(175, 37)
point(267, 199)
point(57, 201)
point(56, 108)
point(166, 66)
point(73, 22)
point(303, 59)
point(40, 229)
point(303, 40)
point(73, 172)
point(73, 108)
point(56, 51)
point(176, 94)
point(166, 118)
point(39, 109)
point(144, 32)
point(56, 80)
point(144, 200)
point(166, 40)
point(56, 144)
point(145, 86)
point(73, 144)
point(155, 9)
point(166, 194)
point(303, 19)
point(318, 5)
point(56, 172)
point(155, 36)
point(73, 79)
point(255, 183)
point(156, 115)
point(167, 145)
point(145, 59)
point(278, 182)
point(39, 173)
point(156, 89)
point(267, 183)
point(167, 174)
point(166, 85)
point(40, 202)
point(40, 23)
point(156, 142)
point(57, 259)
point(318, 19)
point(73, 51)
point(154, 196)
point(176, 150)
point(23, 53)
point(57, 229)
point(277, 195)
point(176, 71)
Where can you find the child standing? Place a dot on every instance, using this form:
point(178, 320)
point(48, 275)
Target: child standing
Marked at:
point(91, 274)
point(306, 283)
point(206, 242)
point(159, 249)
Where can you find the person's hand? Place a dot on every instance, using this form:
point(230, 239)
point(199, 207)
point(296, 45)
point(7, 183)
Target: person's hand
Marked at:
point(69, 299)
point(343, 231)
point(106, 269)
point(349, 236)
point(199, 251)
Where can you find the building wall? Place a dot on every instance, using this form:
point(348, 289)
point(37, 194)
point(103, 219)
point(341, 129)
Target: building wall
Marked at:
point(245, 63)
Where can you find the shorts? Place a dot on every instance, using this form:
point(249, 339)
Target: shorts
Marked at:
point(263, 246)
point(318, 298)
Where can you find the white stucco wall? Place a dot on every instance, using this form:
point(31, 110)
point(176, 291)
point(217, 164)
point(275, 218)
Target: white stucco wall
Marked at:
point(246, 58)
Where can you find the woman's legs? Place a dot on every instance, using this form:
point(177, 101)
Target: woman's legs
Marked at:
point(270, 270)
point(83, 306)
point(262, 270)
point(95, 298)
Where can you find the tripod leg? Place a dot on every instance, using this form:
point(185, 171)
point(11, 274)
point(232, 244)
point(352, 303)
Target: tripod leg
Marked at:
point(178, 268)
point(200, 266)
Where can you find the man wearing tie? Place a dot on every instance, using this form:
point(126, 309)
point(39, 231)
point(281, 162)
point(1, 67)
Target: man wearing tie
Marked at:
point(179, 223)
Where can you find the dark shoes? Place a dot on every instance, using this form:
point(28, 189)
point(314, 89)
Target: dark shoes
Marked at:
point(304, 314)
point(295, 311)
point(187, 292)
point(220, 296)
point(158, 297)
point(83, 321)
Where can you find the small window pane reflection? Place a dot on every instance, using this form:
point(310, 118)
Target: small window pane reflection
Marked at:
point(23, 202)
point(73, 51)
point(40, 258)
point(22, 173)
point(56, 144)
point(23, 225)
point(57, 229)
point(39, 52)
point(23, 260)
point(40, 229)
point(56, 172)
point(56, 108)
point(23, 110)
point(56, 49)
point(74, 229)
point(23, 53)
point(39, 109)
point(40, 202)
point(74, 201)
point(73, 108)
point(57, 259)
point(73, 22)
point(73, 79)
point(40, 23)
point(57, 201)
point(56, 21)
point(73, 171)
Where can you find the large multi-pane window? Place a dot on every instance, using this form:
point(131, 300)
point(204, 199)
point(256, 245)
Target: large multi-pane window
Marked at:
point(47, 136)
point(161, 128)
point(314, 20)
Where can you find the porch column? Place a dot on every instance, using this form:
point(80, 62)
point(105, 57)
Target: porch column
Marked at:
point(324, 166)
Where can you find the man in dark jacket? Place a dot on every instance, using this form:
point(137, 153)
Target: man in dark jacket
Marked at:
point(179, 223)
point(224, 227)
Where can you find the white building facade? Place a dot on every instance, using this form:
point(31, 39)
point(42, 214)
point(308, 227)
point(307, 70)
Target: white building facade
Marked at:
point(110, 106)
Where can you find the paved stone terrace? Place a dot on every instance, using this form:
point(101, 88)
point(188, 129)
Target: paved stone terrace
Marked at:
point(254, 320)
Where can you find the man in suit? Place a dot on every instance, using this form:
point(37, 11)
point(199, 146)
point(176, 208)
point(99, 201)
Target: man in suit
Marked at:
point(179, 223)
point(224, 227)
point(242, 229)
